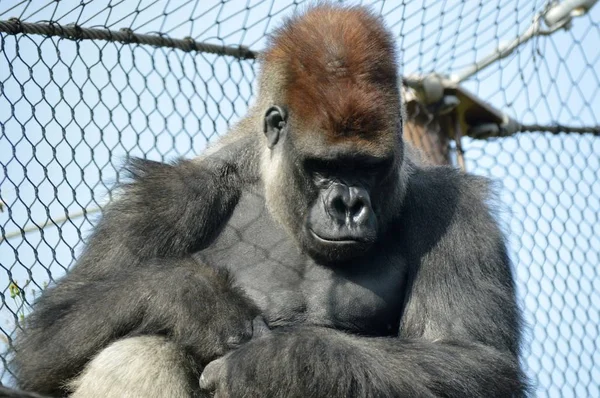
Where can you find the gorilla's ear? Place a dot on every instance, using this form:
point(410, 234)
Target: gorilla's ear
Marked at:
point(275, 121)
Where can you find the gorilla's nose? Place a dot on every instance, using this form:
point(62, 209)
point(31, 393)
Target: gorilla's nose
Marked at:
point(348, 204)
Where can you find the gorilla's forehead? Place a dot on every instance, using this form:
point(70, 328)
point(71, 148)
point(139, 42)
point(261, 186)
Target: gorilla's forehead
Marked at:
point(346, 111)
point(315, 144)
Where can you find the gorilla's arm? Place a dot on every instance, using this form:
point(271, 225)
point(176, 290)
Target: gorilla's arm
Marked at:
point(196, 307)
point(135, 275)
point(459, 334)
point(317, 362)
point(169, 210)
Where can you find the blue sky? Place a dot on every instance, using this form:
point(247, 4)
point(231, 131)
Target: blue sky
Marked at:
point(85, 106)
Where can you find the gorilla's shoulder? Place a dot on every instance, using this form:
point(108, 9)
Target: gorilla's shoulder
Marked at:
point(442, 191)
point(447, 208)
point(425, 181)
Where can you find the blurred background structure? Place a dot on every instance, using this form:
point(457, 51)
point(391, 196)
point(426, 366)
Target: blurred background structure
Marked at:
point(508, 89)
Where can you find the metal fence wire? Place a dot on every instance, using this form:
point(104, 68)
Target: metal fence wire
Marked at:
point(509, 89)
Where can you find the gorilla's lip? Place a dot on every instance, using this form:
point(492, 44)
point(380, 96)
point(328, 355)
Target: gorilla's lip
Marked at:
point(343, 240)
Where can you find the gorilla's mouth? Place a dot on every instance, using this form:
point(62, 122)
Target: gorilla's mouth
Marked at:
point(336, 249)
point(347, 239)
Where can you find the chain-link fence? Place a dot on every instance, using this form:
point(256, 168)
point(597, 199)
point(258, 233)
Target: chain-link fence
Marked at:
point(84, 84)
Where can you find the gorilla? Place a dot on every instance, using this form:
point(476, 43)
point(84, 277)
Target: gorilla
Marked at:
point(306, 254)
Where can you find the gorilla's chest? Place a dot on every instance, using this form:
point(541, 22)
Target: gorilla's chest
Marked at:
point(291, 289)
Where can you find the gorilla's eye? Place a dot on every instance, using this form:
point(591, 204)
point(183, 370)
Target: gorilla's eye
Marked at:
point(351, 164)
point(377, 166)
point(319, 166)
point(374, 168)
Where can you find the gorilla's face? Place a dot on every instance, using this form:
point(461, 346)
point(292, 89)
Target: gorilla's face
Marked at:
point(343, 218)
point(329, 198)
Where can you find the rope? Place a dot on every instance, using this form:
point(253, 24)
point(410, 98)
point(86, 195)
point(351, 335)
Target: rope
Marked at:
point(557, 129)
point(125, 36)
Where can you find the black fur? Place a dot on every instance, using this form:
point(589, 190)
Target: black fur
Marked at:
point(312, 362)
point(6, 392)
point(437, 290)
point(186, 301)
point(136, 277)
point(376, 278)
point(459, 330)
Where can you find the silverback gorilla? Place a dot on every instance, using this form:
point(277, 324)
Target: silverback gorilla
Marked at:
point(304, 255)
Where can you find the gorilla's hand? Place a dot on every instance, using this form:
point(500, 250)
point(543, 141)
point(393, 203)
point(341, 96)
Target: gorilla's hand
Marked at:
point(214, 377)
point(205, 312)
point(302, 362)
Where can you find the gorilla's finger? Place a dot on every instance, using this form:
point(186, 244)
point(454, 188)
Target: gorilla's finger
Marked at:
point(260, 328)
point(244, 335)
point(212, 375)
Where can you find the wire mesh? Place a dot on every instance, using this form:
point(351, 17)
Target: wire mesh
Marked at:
point(71, 111)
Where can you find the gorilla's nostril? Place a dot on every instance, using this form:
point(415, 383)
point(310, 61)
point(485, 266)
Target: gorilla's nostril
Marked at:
point(339, 207)
point(356, 208)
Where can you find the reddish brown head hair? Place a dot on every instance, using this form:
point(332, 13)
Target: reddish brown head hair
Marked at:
point(339, 71)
